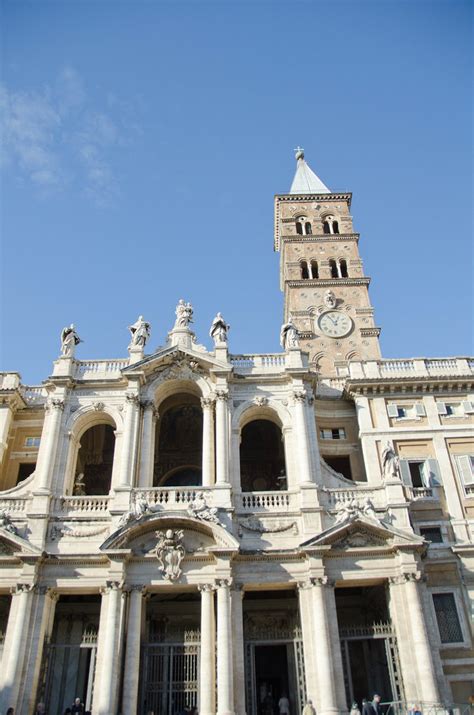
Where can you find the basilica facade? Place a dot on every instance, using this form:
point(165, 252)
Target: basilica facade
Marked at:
point(197, 528)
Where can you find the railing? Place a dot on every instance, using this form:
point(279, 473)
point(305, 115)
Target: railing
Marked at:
point(99, 369)
point(420, 493)
point(330, 497)
point(172, 496)
point(271, 362)
point(416, 367)
point(14, 505)
point(33, 394)
point(251, 502)
point(403, 707)
point(469, 490)
point(90, 505)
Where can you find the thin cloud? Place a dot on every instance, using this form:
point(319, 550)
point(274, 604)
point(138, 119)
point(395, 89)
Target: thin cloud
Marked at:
point(54, 136)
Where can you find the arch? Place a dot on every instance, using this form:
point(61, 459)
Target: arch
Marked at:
point(262, 456)
point(343, 268)
point(335, 226)
point(94, 460)
point(314, 270)
point(164, 384)
point(303, 226)
point(330, 223)
point(178, 440)
point(304, 270)
point(353, 355)
point(299, 228)
point(308, 228)
point(333, 268)
point(326, 227)
point(273, 411)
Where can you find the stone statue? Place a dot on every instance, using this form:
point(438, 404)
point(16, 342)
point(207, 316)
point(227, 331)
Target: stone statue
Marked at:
point(79, 489)
point(137, 511)
point(6, 522)
point(184, 314)
point(140, 332)
point(330, 299)
point(390, 462)
point(69, 340)
point(368, 509)
point(170, 552)
point(346, 510)
point(219, 329)
point(199, 509)
point(288, 336)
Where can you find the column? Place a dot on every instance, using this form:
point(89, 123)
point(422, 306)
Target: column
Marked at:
point(420, 645)
point(237, 597)
point(49, 444)
point(309, 640)
point(302, 436)
point(147, 456)
point(132, 651)
point(105, 690)
point(207, 405)
point(325, 666)
point(208, 656)
point(10, 674)
point(225, 689)
point(222, 461)
point(129, 440)
point(6, 416)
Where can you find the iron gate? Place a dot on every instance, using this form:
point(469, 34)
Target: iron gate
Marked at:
point(170, 677)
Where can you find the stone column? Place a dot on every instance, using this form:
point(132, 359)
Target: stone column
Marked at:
point(132, 651)
point(309, 640)
point(6, 416)
point(12, 662)
point(207, 682)
point(225, 689)
point(222, 455)
point(49, 444)
point(325, 650)
point(105, 689)
point(207, 405)
point(237, 597)
point(302, 436)
point(147, 456)
point(427, 685)
point(129, 440)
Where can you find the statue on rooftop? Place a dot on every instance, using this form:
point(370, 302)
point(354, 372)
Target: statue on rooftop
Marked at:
point(69, 340)
point(289, 336)
point(140, 332)
point(184, 314)
point(219, 329)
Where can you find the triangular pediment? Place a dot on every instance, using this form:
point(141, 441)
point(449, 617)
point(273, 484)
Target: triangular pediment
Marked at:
point(361, 533)
point(13, 545)
point(176, 358)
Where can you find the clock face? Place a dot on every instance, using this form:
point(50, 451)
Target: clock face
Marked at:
point(334, 324)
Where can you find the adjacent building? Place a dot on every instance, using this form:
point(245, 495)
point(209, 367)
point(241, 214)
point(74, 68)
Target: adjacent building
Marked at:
point(218, 530)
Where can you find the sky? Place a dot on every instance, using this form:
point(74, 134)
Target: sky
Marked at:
point(143, 142)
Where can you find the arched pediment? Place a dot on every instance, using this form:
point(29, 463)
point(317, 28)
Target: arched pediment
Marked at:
point(140, 535)
point(16, 546)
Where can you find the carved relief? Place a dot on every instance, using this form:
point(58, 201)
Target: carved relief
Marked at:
point(263, 526)
point(170, 553)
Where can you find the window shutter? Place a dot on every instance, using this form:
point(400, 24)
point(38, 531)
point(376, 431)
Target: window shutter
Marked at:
point(464, 469)
point(392, 410)
point(432, 473)
point(441, 408)
point(405, 472)
point(420, 409)
point(468, 407)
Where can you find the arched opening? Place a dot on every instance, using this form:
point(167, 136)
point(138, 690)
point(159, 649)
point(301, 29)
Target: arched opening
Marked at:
point(304, 270)
point(178, 450)
point(299, 228)
point(308, 229)
point(314, 269)
point(93, 474)
point(326, 227)
point(335, 227)
point(343, 267)
point(262, 457)
point(333, 268)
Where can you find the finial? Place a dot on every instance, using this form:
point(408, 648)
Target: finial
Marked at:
point(299, 153)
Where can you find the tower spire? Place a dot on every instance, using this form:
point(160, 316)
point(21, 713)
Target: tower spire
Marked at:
point(305, 180)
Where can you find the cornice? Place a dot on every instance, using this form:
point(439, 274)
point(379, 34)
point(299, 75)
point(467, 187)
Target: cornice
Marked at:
point(323, 238)
point(323, 282)
point(394, 385)
point(370, 332)
point(344, 196)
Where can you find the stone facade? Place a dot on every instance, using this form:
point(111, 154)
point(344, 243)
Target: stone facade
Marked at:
point(217, 529)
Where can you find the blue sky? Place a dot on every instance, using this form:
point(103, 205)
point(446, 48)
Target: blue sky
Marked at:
point(143, 143)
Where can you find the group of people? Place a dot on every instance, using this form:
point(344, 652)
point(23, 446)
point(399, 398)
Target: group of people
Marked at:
point(77, 708)
point(369, 707)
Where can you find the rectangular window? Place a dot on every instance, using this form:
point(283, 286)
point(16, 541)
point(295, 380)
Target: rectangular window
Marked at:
point(416, 473)
point(454, 409)
point(336, 433)
point(465, 464)
point(447, 616)
point(432, 533)
point(32, 441)
point(406, 412)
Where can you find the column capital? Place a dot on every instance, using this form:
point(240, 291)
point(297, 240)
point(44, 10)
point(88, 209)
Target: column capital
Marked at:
point(407, 577)
point(133, 587)
point(42, 589)
point(222, 395)
point(300, 396)
point(150, 405)
point(111, 586)
point(22, 588)
point(131, 398)
point(224, 582)
point(207, 403)
point(54, 403)
point(206, 587)
point(315, 581)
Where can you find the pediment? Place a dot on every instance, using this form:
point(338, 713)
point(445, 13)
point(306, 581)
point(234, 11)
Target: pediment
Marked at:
point(198, 537)
point(363, 533)
point(174, 361)
point(13, 545)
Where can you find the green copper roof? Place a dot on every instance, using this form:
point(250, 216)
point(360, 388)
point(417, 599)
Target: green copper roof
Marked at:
point(306, 181)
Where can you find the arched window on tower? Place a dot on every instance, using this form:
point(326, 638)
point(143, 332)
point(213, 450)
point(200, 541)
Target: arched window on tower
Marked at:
point(330, 225)
point(299, 228)
point(314, 270)
point(335, 226)
point(326, 228)
point(333, 268)
point(262, 457)
point(304, 270)
point(308, 229)
point(303, 226)
point(343, 268)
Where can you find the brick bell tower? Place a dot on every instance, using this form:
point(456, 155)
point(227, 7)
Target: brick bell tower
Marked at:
point(321, 274)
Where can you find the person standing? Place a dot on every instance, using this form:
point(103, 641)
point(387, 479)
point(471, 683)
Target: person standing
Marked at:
point(354, 709)
point(308, 708)
point(284, 705)
point(376, 704)
point(367, 708)
point(77, 707)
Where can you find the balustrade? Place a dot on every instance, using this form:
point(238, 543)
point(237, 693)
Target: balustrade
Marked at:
point(172, 496)
point(16, 505)
point(271, 362)
point(87, 505)
point(97, 369)
point(266, 501)
point(330, 497)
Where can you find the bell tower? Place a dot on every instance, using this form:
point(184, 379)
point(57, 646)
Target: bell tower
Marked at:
point(321, 274)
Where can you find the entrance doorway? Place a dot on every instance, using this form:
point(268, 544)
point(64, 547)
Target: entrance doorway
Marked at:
point(271, 677)
point(368, 669)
